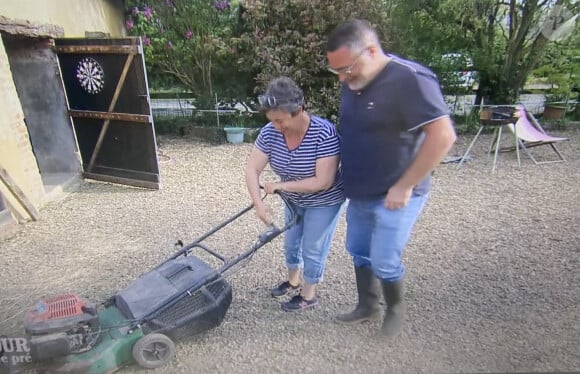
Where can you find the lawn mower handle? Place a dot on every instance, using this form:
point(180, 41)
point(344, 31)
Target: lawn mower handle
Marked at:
point(265, 237)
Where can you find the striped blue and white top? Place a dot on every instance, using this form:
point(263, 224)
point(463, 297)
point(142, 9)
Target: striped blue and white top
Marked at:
point(321, 140)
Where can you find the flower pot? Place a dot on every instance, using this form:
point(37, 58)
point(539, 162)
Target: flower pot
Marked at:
point(554, 112)
point(234, 135)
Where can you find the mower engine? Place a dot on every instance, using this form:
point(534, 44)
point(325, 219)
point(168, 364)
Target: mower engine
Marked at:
point(60, 326)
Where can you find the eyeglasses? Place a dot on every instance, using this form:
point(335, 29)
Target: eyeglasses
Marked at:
point(348, 70)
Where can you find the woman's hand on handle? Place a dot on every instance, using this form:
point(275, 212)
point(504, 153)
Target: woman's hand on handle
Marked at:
point(263, 214)
point(271, 187)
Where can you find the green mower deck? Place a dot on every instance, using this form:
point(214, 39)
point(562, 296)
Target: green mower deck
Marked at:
point(112, 352)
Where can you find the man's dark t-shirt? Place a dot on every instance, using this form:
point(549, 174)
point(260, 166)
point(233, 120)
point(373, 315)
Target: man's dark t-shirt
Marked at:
point(382, 127)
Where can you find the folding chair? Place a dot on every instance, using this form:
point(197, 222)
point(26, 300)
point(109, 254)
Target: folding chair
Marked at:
point(531, 134)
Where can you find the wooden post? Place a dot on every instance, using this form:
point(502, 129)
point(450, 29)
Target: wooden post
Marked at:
point(19, 194)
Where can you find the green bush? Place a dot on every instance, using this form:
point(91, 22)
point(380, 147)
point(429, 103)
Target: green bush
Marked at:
point(467, 123)
point(289, 38)
point(170, 125)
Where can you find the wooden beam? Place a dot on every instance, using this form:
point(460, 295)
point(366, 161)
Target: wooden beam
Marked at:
point(120, 180)
point(96, 49)
point(30, 29)
point(127, 117)
point(120, 84)
point(19, 194)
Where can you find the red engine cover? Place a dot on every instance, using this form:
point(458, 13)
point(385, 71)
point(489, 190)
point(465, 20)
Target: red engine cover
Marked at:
point(58, 307)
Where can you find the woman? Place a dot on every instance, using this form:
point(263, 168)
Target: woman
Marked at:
point(303, 150)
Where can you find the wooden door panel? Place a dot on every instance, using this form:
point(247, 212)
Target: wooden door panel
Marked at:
point(107, 91)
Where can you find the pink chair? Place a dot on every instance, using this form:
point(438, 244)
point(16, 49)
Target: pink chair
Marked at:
point(530, 134)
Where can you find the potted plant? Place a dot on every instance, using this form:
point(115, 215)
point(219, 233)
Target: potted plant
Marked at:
point(234, 134)
point(236, 131)
point(554, 110)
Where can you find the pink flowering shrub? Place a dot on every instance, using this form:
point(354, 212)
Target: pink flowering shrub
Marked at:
point(233, 48)
point(187, 39)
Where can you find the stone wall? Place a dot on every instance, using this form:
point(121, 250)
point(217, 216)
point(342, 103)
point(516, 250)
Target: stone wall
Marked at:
point(16, 154)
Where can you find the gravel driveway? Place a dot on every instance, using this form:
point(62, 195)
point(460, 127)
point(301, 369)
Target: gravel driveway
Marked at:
point(493, 268)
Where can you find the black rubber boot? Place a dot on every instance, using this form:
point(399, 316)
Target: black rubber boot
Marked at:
point(395, 312)
point(368, 308)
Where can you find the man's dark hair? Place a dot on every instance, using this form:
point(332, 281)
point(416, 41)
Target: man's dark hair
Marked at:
point(353, 34)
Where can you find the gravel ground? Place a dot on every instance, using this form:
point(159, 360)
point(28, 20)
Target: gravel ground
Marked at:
point(492, 268)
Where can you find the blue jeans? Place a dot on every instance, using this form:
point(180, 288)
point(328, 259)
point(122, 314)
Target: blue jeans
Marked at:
point(376, 236)
point(306, 244)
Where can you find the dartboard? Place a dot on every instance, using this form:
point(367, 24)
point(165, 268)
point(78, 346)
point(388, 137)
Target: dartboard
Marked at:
point(90, 75)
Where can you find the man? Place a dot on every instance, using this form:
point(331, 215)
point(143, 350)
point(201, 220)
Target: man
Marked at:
point(395, 130)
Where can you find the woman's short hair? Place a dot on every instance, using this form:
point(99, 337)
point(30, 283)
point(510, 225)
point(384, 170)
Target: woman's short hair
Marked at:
point(282, 93)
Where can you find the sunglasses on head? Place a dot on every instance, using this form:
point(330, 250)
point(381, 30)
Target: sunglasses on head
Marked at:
point(269, 101)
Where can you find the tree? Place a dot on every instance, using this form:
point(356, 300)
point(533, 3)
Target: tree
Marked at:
point(505, 39)
point(561, 67)
point(289, 38)
point(521, 46)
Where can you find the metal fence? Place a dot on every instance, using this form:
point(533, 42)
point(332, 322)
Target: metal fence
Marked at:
point(173, 107)
point(458, 105)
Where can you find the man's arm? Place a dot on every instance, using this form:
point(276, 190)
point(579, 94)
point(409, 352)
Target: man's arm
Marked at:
point(439, 137)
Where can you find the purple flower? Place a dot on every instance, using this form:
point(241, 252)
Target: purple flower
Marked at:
point(169, 45)
point(146, 40)
point(148, 12)
point(135, 11)
point(129, 24)
point(221, 5)
point(169, 2)
point(188, 34)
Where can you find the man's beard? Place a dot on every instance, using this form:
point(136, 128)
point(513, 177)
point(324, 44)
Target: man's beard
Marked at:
point(357, 84)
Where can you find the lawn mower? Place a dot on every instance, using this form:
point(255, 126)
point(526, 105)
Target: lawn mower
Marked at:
point(180, 298)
